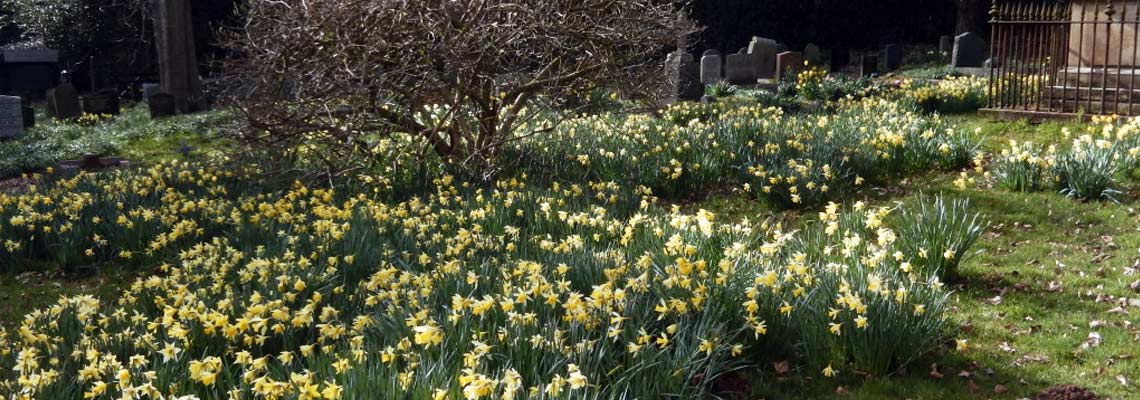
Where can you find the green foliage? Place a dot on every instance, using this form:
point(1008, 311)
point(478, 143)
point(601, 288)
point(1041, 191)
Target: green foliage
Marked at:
point(1088, 171)
point(720, 89)
point(75, 27)
point(51, 141)
point(939, 232)
point(1024, 167)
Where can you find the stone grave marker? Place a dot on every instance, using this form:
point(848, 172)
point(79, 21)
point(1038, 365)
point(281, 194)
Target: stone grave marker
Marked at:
point(743, 50)
point(840, 58)
point(161, 105)
point(11, 117)
point(63, 102)
point(685, 76)
point(763, 52)
point(712, 67)
point(101, 103)
point(969, 51)
point(739, 69)
point(150, 89)
point(868, 65)
point(789, 63)
point(29, 116)
point(946, 44)
point(892, 56)
point(813, 54)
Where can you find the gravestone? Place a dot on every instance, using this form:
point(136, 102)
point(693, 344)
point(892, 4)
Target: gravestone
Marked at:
point(63, 102)
point(969, 51)
point(712, 67)
point(161, 105)
point(101, 103)
point(743, 50)
point(739, 69)
point(868, 65)
point(789, 63)
point(892, 56)
point(11, 117)
point(946, 44)
point(684, 76)
point(840, 58)
point(763, 52)
point(150, 89)
point(177, 61)
point(29, 116)
point(813, 54)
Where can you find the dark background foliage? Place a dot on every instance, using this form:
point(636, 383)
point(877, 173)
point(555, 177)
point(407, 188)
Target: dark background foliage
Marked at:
point(122, 45)
point(856, 24)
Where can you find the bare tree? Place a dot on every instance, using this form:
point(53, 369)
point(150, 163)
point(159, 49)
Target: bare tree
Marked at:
point(336, 71)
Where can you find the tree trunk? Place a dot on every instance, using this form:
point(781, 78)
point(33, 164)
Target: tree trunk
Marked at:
point(973, 16)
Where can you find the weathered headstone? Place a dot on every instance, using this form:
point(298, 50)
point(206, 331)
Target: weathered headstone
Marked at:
point(789, 63)
point(892, 56)
point(946, 44)
point(177, 61)
point(763, 52)
point(63, 102)
point(160, 105)
point(150, 89)
point(712, 67)
point(868, 65)
point(29, 116)
point(813, 54)
point(101, 103)
point(685, 76)
point(739, 69)
point(11, 117)
point(969, 51)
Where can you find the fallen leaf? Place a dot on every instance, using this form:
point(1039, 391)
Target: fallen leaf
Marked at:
point(934, 374)
point(781, 367)
point(999, 389)
point(1092, 341)
point(994, 300)
point(1122, 380)
point(1054, 286)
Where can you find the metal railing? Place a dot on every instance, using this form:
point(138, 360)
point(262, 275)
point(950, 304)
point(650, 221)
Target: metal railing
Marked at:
point(1065, 56)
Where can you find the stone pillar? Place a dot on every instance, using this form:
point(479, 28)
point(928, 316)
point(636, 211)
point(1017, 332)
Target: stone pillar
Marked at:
point(177, 61)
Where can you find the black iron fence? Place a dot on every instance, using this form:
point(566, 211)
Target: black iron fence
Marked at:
point(1065, 56)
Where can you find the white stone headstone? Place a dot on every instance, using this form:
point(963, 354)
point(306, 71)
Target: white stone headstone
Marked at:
point(739, 69)
point(11, 117)
point(712, 67)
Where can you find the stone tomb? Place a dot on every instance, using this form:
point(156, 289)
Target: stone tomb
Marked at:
point(63, 102)
point(789, 64)
point(28, 71)
point(712, 67)
point(11, 117)
point(101, 103)
point(969, 51)
point(161, 105)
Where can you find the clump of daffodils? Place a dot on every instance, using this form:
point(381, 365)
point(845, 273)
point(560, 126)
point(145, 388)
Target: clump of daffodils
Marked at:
point(509, 291)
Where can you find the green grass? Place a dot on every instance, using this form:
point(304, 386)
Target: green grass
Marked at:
point(132, 135)
point(24, 293)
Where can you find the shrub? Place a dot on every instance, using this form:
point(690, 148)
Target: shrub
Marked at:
point(487, 69)
point(1024, 167)
point(1088, 169)
point(720, 89)
point(939, 233)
